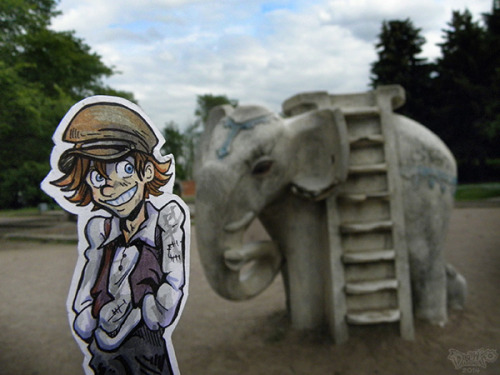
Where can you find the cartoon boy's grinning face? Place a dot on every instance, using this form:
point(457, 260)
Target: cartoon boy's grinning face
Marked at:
point(122, 188)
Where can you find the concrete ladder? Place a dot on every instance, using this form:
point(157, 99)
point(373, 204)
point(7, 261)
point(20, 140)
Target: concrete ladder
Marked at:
point(368, 266)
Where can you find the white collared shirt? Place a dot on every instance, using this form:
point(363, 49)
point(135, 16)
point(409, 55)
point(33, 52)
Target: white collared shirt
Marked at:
point(118, 317)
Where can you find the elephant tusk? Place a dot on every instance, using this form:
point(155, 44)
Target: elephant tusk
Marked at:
point(236, 259)
point(240, 224)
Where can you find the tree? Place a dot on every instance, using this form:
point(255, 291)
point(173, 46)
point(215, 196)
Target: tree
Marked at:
point(175, 144)
point(206, 102)
point(492, 118)
point(23, 17)
point(398, 48)
point(462, 83)
point(183, 144)
point(192, 137)
point(22, 143)
point(457, 95)
point(42, 73)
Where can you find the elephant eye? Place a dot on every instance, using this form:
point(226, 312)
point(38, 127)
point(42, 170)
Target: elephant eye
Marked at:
point(262, 167)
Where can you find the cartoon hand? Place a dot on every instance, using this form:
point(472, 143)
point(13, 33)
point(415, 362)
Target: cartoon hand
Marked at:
point(113, 313)
point(85, 323)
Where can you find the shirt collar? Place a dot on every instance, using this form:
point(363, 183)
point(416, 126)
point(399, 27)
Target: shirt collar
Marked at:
point(146, 232)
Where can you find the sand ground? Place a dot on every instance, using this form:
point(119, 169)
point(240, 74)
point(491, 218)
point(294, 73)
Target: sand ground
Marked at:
point(215, 336)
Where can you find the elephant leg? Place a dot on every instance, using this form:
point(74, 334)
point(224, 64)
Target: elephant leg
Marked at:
point(428, 279)
point(456, 288)
point(306, 301)
point(299, 228)
point(427, 214)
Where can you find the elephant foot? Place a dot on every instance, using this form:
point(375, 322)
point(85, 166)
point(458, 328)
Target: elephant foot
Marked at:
point(434, 317)
point(429, 297)
point(456, 288)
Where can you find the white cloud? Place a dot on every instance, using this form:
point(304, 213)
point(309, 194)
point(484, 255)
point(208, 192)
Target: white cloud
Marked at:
point(169, 51)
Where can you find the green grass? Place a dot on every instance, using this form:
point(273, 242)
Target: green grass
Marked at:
point(27, 211)
point(466, 192)
point(471, 192)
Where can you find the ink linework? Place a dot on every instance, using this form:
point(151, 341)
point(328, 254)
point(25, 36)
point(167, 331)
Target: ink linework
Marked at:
point(131, 278)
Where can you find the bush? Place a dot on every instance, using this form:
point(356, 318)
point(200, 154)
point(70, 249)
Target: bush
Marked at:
point(20, 187)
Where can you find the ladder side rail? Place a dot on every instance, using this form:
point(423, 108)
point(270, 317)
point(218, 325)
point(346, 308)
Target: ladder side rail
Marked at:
point(384, 101)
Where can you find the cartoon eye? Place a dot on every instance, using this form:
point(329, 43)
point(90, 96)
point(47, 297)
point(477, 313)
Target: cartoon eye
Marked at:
point(97, 179)
point(125, 169)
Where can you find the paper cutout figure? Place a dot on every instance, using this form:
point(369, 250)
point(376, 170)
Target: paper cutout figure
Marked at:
point(131, 279)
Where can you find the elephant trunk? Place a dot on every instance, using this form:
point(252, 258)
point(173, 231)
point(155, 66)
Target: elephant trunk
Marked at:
point(235, 270)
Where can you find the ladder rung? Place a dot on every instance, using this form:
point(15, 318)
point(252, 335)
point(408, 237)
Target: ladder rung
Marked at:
point(374, 317)
point(368, 256)
point(360, 111)
point(365, 227)
point(367, 140)
point(369, 168)
point(364, 287)
point(363, 197)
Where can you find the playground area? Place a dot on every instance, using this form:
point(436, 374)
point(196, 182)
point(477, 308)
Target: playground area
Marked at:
point(219, 337)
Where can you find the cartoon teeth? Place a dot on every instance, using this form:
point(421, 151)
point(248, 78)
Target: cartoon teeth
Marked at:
point(124, 198)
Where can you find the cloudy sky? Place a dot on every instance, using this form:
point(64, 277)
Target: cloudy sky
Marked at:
point(259, 52)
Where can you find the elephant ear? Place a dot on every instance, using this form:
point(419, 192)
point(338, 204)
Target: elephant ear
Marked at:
point(217, 114)
point(321, 146)
point(214, 117)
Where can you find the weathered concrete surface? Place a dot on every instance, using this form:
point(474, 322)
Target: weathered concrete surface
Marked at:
point(344, 174)
point(215, 336)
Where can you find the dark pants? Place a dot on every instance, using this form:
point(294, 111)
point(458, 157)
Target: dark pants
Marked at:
point(143, 352)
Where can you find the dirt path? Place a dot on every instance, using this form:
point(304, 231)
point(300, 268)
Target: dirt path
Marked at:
point(215, 336)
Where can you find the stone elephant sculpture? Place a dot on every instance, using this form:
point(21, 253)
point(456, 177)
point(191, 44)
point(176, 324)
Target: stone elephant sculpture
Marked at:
point(253, 164)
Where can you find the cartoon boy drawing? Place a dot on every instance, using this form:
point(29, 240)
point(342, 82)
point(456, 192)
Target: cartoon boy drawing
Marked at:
point(130, 282)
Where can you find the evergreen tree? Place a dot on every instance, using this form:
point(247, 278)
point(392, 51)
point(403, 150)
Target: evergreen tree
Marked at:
point(492, 121)
point(398, 62)
point(462, 83)
point(456, 96)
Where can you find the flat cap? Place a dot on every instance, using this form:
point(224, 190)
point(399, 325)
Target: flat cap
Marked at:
point(106, 131)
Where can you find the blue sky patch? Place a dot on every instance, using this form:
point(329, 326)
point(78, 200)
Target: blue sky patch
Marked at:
point(277, 5)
